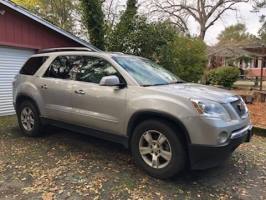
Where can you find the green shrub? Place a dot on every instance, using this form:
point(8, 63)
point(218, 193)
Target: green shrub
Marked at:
point(224, 76)
point(145, 39)
point(164, 44)
point(185, 57)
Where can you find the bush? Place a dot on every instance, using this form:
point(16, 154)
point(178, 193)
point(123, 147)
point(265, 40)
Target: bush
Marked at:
point(163, 43)
point(185, 57)
point(224, 76)
point(144, 39)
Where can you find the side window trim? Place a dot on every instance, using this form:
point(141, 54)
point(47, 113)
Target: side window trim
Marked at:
point(52, 78)
point(43, 72)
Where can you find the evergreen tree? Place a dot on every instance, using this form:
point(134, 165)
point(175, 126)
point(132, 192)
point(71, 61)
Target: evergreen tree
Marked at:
point(93, 18)
point(118, 37)
point(130, 13)
point(259, 5)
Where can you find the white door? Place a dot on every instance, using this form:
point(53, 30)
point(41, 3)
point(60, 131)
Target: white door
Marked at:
point(11, 61)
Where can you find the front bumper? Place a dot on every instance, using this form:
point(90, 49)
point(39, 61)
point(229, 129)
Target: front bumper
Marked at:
point(205, 156)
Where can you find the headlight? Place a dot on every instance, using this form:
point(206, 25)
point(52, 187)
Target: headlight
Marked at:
point(211, 109)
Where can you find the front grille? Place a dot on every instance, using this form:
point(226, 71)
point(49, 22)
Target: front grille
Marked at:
point(239, 107)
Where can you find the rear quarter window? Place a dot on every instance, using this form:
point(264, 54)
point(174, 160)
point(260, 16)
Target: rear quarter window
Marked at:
point(32, 65)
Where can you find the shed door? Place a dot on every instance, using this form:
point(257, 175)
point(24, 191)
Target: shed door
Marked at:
point(11, 60)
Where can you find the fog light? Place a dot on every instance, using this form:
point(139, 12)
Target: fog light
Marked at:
point(223, 137)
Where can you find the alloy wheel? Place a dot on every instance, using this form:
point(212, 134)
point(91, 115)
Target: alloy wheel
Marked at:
point(27, 119)
point(155, 149)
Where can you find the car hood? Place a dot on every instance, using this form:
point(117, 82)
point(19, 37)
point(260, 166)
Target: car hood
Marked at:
point(197, 91)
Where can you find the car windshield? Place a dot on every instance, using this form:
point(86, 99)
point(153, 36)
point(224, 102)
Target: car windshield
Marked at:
point(146, 72)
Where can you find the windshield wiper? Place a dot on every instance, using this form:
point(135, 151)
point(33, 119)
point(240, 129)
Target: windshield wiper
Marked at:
point(158, 84)
point(177, 82)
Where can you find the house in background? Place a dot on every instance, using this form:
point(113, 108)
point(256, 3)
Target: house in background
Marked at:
point(21, 35)
point(257, 61)
point(249, 58)
point(244, 56)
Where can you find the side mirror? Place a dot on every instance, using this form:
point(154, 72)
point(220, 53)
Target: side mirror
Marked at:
point(111, 81)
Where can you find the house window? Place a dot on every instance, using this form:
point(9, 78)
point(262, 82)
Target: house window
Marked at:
point(256, 63)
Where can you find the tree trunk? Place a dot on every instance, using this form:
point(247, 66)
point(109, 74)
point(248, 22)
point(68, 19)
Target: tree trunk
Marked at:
point(202, 33)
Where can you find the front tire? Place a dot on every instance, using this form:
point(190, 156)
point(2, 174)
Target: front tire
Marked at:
point(157, 149)
point(28, 119)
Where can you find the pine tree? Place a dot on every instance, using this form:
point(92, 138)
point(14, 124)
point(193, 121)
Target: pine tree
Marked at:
point(125, 26)
point(130, 12)
point(261, 4)
point(93, 18)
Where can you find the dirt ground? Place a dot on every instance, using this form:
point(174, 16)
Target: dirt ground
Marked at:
point(67, 165)
point(258, 114)
point(248, 84)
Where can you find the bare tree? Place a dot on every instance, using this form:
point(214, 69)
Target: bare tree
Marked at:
point(204, 12)
point(112, 10)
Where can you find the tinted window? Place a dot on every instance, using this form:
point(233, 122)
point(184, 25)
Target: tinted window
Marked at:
point(91, 69)
point(81, 68)
point(61, 67)
point(32, 65)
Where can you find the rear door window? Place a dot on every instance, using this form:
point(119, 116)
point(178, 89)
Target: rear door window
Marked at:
point(32, 65)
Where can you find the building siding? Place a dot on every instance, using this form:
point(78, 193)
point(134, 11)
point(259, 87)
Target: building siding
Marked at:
point(17, 30)
point(11, 60)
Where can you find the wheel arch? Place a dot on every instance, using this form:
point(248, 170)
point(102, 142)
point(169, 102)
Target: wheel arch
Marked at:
point(23, 97)
point(147, 114)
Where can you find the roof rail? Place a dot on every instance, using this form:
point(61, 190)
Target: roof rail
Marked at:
point(116, 52)
point(65, 49)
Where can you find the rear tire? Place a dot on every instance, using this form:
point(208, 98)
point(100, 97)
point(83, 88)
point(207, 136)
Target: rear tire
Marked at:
point(29, 120)
point(164, 155)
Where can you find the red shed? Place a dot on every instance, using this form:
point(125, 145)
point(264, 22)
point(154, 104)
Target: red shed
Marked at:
point(21, 34)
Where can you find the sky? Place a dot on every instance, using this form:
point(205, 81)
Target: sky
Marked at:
point(244, 15)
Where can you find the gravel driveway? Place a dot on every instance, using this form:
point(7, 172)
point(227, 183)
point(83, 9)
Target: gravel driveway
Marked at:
point(67, 165)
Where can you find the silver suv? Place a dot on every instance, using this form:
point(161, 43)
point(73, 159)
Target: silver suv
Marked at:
point(166, 123)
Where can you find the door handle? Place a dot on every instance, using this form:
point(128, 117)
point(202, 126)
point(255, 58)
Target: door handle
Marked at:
point(44, 86)
point(79, 92)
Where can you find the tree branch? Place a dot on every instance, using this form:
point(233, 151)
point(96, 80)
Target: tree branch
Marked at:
point(201, 10)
